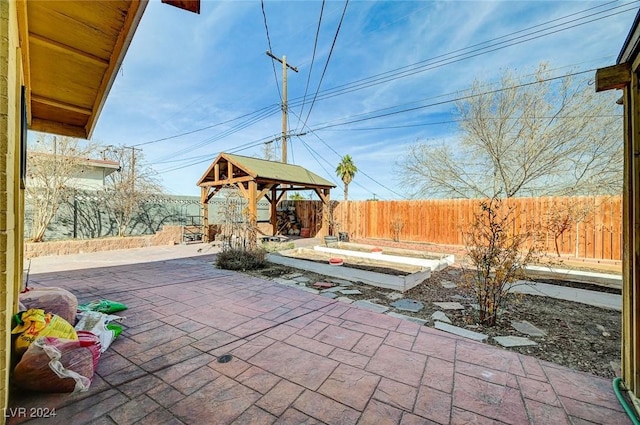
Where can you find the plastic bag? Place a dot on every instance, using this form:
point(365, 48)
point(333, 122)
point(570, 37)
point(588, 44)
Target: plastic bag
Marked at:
point(100, 325)
point(35, 323)
point(103, 306)
point(57, 365)
point(52, 300)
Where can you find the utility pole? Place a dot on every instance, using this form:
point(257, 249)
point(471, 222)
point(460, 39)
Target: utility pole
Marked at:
point(283, 61)
point(133, 165)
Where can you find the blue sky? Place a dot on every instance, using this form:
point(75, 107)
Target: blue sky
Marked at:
point(185, 72)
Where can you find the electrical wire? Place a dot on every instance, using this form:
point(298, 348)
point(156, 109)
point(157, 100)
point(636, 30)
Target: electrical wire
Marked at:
point(326, 65)
point(266, 27)
point(356, 85)
point(313, 58)
point(450, 100)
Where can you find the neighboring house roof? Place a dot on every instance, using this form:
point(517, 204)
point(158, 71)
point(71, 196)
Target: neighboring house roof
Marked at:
point(262, 171)
point(109, 166)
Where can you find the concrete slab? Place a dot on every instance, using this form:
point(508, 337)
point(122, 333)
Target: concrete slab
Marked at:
point(286, 282)
point(408, 305)
point(595, 278)
point(302, 279)
point(466, 333)
point(447, 284)
point(345, 300)
point(441, 317)
point(513, 341)
point(595, 298)
point(350, 292)
point(368, 305)
point(527, 328)
point(450, 305)
point(334, 289)
point(330, 295)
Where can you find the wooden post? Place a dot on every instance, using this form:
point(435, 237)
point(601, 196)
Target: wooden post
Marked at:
point(253, 214)
point(625, 76)
point(204, 201)
point(274, 210)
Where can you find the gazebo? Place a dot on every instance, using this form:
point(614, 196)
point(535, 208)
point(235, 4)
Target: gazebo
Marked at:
point(256, 178)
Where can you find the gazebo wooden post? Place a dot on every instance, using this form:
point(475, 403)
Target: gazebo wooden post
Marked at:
point(204, 201)
point(274, 210)
point(253, 214)
point(325, 196)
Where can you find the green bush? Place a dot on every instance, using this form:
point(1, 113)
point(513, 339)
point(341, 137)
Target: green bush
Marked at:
point(239, 259)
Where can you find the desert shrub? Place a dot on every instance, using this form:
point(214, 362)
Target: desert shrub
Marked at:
point(240, 259)
point(498, 253)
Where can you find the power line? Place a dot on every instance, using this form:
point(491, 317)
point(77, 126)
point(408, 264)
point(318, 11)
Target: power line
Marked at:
point(451, 100)
point(429, 64)
point(266, 27)
point(357, 84)
point(326, 65)
point(313, 58)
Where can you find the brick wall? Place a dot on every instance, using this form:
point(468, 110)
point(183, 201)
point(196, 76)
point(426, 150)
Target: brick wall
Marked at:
point(10, 193)
point(170, 235)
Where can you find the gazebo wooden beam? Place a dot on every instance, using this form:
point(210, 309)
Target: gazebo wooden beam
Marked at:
point(226, 182)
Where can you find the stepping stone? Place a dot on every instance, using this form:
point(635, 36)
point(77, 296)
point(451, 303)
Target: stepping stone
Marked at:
point(513, 341)
point(330, 295)
point(466, 333)
point(368, 305)
point(286, 282)
point(350, 292)
point(313, 291)
point(447, 284)
point(323, 285)
point(408, 305)
point(335, 289)
point(417, 320)
point(527, 328)
point(439, 316)
point(302, 279)
point(394, 295)
point(450, 305)
point(341, 282)
point(293, 275)
point(345, 300)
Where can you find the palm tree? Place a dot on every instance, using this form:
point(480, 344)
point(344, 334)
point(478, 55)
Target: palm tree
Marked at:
point(346, 170)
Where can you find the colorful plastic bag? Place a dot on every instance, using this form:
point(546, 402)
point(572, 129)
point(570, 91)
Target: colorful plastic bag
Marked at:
point(103, 306)
point(58, 365)
point(35, 323)
point(100, 325)
point(52, 300)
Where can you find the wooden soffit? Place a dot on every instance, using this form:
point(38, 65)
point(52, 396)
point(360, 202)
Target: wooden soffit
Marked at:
point(71, 52)
point(189, 5)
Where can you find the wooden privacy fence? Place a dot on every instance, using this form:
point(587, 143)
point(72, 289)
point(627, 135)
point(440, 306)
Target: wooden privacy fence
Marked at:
point(591, 226)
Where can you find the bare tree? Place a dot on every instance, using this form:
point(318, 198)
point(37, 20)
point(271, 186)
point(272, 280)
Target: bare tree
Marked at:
point(127, 190)
point(53, 164)
point(553, 136)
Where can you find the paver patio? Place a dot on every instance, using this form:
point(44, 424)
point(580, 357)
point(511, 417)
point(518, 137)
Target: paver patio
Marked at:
point(297, 358)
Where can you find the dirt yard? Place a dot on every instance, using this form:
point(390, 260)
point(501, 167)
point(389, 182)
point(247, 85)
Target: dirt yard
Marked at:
point(578, 336)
